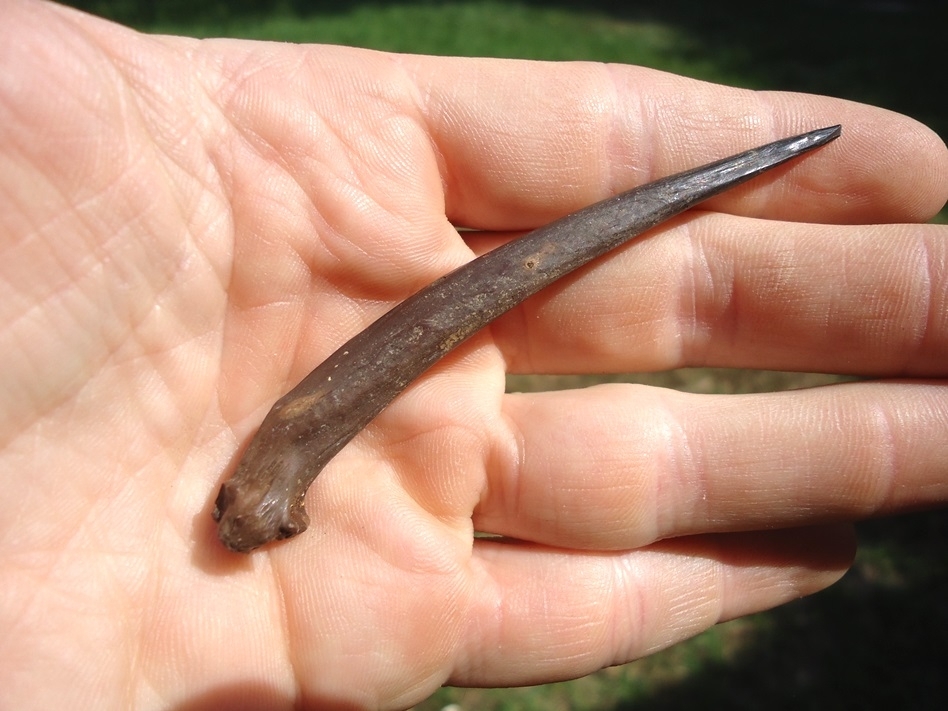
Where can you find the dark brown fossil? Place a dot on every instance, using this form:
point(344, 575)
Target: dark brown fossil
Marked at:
point(263, 501)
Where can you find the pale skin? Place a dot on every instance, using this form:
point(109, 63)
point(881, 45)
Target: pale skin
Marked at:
point(187, 228)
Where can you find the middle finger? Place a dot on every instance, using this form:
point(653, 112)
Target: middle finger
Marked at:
point(719, 290)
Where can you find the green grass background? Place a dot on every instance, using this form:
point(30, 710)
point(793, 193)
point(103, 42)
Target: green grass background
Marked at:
point(876, 640)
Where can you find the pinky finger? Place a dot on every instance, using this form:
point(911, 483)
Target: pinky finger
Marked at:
point(547, 615)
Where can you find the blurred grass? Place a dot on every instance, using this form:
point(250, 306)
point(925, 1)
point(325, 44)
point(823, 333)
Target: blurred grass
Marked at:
point(876, 639)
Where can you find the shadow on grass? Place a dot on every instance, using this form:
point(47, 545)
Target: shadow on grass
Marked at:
point(886, 53)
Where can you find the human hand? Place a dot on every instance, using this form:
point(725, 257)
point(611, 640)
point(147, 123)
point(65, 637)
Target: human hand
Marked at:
point(189, 227)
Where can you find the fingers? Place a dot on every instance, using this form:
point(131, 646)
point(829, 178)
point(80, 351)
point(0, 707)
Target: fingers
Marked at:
point(616, 467)
point(524, 142)
point(737, 292)
point(545, 615)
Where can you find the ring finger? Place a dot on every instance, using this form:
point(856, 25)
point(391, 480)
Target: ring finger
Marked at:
point(620, 466)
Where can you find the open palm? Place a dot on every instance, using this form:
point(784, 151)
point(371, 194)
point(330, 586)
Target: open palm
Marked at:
point(189, 227)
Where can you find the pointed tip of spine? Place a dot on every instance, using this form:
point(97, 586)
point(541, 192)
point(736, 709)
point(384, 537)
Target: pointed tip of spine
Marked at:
point(782, 150)
point(828, 133)
point(818, 137)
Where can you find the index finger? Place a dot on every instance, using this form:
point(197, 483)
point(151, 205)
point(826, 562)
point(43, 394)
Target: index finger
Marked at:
point(524, 142)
